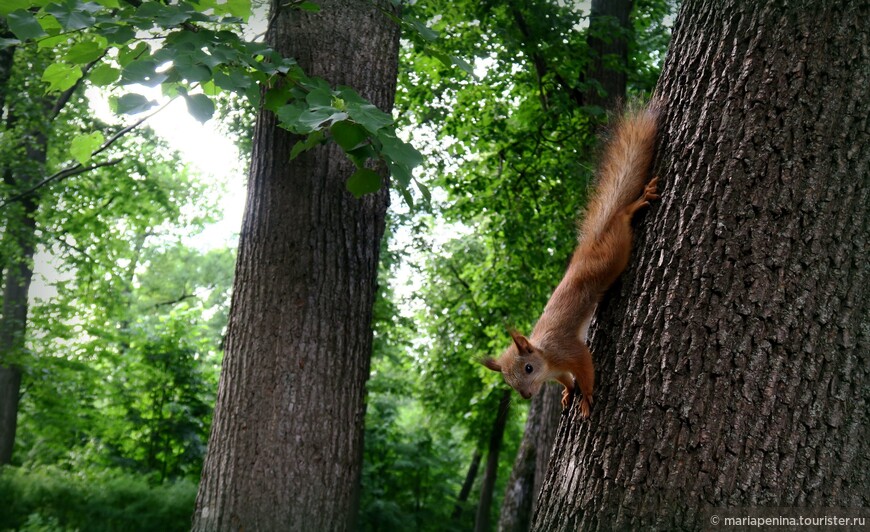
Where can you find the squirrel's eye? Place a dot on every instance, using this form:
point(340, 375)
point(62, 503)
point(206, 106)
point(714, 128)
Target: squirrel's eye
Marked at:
point(529, 368)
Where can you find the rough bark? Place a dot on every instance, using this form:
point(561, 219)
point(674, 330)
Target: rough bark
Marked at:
point(487, 486)
point(732, 357)
point(530, 465)
point(285, 448)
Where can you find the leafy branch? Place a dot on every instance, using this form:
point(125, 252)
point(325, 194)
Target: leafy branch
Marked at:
point(106, 41)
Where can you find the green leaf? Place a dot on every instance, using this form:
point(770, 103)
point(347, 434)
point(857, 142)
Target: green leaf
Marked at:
point(128, 54)
point(368, 116)
point(315, 118)
point(311, 141)
point(348, 135)
point(104, 75)
point(360, 155)
point(193, 72)
point(84, 52)
point(200, 106)
point(319, 98)
point(400, 173)
point(143, 71)
point(60, 76)
point(82, 146)
point(51, 27)
point(425, 31)
point(427, 195)
point(74, 15)
point(364, 181)
point(24, 25)
point(398, 150)
point(131, 104)
point(275, 97)
point(452, 60)
point(8, 6)
point(239, 8)
point(116, 33)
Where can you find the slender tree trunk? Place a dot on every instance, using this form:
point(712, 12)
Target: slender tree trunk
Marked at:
point(732, 357)
point(21, 224)
point(487, 488)
point(467, 485)
point(530, 465)
point(285, 449)
point(608, 49)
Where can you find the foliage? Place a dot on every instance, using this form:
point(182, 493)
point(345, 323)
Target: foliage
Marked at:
point(527, 143)
point(48, 498)
point(123, 348)
point(123, 44)
point(512, 157)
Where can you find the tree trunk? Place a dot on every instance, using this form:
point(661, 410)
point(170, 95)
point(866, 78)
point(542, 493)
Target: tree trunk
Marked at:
point(21, 225)
point(530, 465)
point(608, 49)
point(466, 486)
point(732, 357)
point(285, 449)
point(487, 487)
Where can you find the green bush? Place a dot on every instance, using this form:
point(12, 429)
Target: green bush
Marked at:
point(49, 498)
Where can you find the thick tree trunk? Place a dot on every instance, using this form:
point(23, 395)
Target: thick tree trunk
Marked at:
point(732, 357)
point(286, 444)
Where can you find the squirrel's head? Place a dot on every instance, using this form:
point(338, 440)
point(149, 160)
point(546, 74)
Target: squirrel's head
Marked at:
point(521, 365)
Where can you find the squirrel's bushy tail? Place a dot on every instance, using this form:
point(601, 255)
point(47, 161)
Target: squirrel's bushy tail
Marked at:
point(623, 170)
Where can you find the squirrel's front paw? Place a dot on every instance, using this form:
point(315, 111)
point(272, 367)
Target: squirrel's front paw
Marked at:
point(650, 192)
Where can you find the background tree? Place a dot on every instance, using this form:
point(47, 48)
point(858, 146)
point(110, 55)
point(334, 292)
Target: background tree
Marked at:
point(286, 443)
point(729, 355)
point(526, 139)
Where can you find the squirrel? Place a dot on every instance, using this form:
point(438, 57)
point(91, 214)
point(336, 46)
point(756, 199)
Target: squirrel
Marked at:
point(557, 347)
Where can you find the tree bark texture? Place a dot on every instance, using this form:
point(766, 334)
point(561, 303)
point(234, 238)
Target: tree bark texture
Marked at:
point(285, 449)
point(530, 466)
point(732, 356)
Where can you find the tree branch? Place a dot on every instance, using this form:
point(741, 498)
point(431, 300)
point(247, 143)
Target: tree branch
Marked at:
point(79, 168)
point(64, 98)
point(57, 176)
point(541, 67)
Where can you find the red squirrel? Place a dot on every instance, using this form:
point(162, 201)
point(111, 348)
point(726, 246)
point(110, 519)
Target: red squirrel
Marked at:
point(557, 347)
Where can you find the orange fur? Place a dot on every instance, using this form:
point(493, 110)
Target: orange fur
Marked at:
point(557, 349)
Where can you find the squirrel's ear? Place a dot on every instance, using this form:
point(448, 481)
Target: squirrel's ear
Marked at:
point(491, 364)
point(523, 344)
